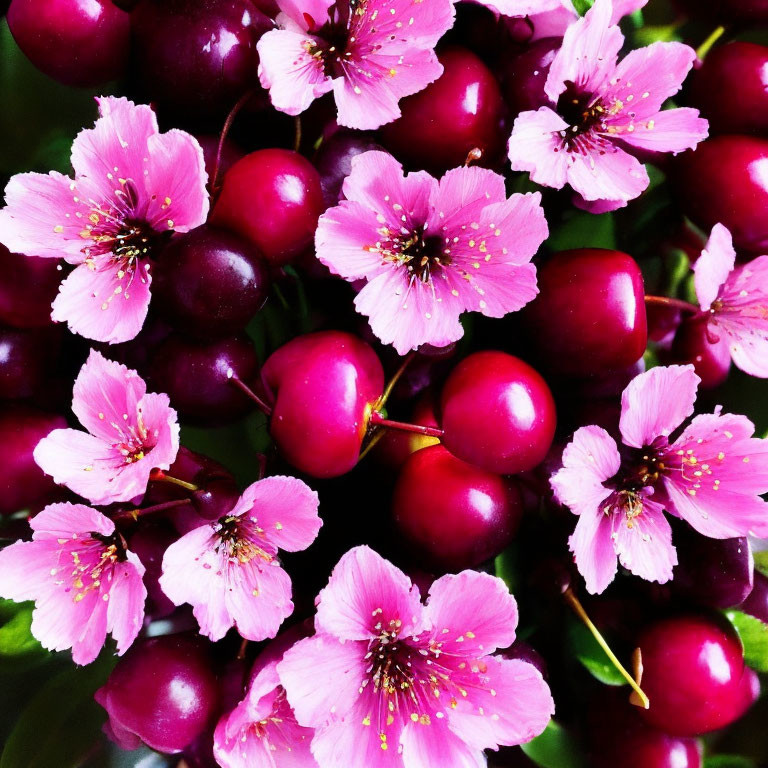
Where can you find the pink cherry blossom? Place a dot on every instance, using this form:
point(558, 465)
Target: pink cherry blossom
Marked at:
point(551, 18)
point(431, 250)
point(133, 186)
point(261, 731)
point(711, 476)
point(736, 299)
point(370, 54)
point(389, 682)
point(603, 111)
point(82, 578)
point(229, 570)
point(130, 432)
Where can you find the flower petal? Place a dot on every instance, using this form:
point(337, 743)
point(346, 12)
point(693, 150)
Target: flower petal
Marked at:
point(593, 550)
point(536, 146)
point(712, 268)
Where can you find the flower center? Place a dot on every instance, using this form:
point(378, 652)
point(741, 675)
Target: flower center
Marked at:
point(332, 49)
point(90, 559)
point(581, 111)
point(238, 544)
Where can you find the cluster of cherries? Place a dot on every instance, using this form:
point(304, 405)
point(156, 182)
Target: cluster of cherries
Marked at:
point(466, 435)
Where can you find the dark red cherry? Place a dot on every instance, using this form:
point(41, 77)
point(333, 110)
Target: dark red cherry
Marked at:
point(756, 603)
point(22, 482)
point(334, 160)
point(27, 290)
point(731, 88)
point(230, 154)
point(693, 674)
point(708, 353)
point(76, 42)
point(148, 543)
point(196, 57)
point(163, 692)
point(755, 11)
point(589, 316)
point(726, 181)
point(461, 111)
point(712, 572)
point(395, 446)
point(26, 358)
point(524, 74)
point(197, 377)
point(210, 282)
point(322, 386)
point(452, 515)
point(497, 413)
point(273, 198)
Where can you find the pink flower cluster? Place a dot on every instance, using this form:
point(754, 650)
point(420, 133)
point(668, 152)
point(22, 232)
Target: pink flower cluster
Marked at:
point(711, 476)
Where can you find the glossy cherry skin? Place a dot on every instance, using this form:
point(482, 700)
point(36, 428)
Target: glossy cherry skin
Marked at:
point(497, 413)
point(148, 543)
point(693, 674)
point(462, 110)
point(708, 354)
point(27, 290)
point(163, 692)
point(230, 154)
point(450, 514)
point(333, 160)
point(523, 75)
point(196, 57)
point(726, 181)
point(731, 88)
point(210, 282)
point(322, 386)
point(395, 446)
point(76, 42)
point(589, 316)
point(22, 482)
point(195, 375)
point(273, 198)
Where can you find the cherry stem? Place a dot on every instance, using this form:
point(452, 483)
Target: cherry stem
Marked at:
point(296, 133)
point(705, 47)
point(233, 113)
point(135, 514)
point(261, 458)
point(375, 439)
point(243, 649)
point(379, 421)
point(248, 392)
point(666, 301)
point(474, 156)
point(158, 475)
point(578, 609)
point(393, 381)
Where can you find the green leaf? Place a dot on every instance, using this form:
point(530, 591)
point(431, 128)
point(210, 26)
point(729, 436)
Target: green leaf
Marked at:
point(754, 638)
point(582, 6)
point(555, 748)
point(761, 558)
point(729, 761)
point(17, 646)
point(584, 647)
point(62, 721)
point(506, 565)
point(584, 230)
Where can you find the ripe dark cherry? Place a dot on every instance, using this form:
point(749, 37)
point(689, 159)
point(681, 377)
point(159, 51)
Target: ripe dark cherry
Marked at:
point(756, 603)
point(395, 446)
point(163, 692)
point(731, 88)
point(712, 572)
point(322, 386)
point(196, 57)
point(149, 543)
point(210, 282)
point(22, 482)
point(462, 110)
point(230, 154)
point(273, 198)
point(497, 413)
point(726, 181)
point(524, 74)
point(728, 10)
point(26, 358)
point(694, 675)
point(76, 42)
point(334, 160)
point(27, 290)
point(589, 316)
point(708, 353)
point(195, 375)
point(450, 514)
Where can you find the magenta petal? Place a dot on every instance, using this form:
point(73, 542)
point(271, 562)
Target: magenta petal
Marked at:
point(536, 146)
point(435, 745)
point(712, 268)
point(125, 607)
point(593, 550)
point(365, 590)
point(656, 402)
